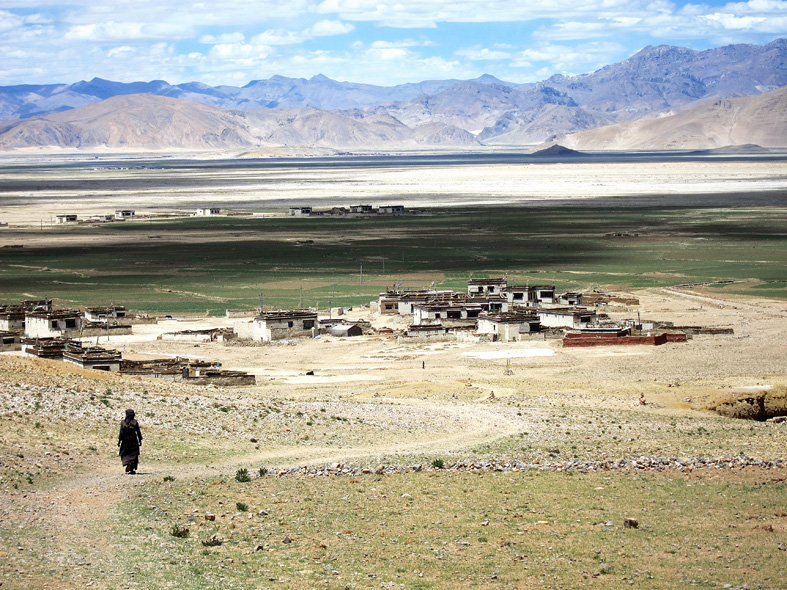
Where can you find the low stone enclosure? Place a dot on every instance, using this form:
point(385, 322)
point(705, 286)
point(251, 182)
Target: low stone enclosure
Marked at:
point(207, 335)
point(95, 357)
point(619, 338)
point(188, 371)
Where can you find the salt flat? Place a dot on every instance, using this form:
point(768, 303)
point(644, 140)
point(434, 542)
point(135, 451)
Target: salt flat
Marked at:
point(34, 192)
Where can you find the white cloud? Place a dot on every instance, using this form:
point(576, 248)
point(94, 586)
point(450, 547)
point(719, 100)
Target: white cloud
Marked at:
point(9, 21)
point(478, 53)
point(277, 37)
point(567, 59)
point(117, 31)
point(123, 51)
point(223, 38)
point(403, 43)
point(328, 28)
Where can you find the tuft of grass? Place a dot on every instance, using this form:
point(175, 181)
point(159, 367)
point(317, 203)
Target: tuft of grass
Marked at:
point(181, 532)
point(242, 475)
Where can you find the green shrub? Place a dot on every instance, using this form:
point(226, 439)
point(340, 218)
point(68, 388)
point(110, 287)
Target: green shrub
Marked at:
point(242, 475)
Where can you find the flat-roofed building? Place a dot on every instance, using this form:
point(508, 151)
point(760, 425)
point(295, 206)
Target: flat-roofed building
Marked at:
point(53, 324)
point(279, 325)
point(486, 286)
point(506, 327)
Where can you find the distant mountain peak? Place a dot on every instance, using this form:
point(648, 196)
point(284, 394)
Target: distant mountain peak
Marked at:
point(657, 79)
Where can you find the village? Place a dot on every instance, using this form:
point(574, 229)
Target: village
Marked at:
point(120, 215)
point(489, 311)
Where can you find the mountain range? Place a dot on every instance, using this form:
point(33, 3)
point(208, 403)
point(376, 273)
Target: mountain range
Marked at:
point(639, 96)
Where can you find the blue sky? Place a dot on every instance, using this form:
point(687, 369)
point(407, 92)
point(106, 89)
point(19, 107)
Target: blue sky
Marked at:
point(370, 41)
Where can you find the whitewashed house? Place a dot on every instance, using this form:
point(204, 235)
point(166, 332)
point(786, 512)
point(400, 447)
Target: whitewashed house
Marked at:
point(53, 324)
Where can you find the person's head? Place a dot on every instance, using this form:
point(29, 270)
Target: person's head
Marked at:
point(129, 414)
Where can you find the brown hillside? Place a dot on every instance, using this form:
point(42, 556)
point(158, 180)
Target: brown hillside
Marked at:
point(760, 120)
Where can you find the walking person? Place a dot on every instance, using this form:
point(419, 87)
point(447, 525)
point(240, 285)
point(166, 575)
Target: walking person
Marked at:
point(129, 441)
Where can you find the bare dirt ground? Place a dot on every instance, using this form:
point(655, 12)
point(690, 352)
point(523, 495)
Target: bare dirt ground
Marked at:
point(93, 188)
point(372, 401)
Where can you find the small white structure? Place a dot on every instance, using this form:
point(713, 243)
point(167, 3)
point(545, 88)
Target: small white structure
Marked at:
point(506, 327)
point(208, 212)
point(530, 295)
point(570, 298)
point(103, 314)
point(279, 325)
point(346, 330)
point(361, 209)
point(566, 317)
point(125, 214)
point(66, 218)
point(92, 357)
point(391, 209)
point(53, 324)
point(10, 341)
point(486, 286)
point(300, 211)
point(445, 313)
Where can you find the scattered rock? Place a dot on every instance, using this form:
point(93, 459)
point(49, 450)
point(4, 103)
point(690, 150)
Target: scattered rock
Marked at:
point(631, 523)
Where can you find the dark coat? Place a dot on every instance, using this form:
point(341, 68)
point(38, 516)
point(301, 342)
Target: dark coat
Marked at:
point(129, 439)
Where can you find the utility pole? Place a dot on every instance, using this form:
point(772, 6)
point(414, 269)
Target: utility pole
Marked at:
point(361, 275)
point(301, 304)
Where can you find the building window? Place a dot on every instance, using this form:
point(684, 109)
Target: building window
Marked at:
point(54, 324)
point(71, 323)
point(308, 324)
point(289, 324)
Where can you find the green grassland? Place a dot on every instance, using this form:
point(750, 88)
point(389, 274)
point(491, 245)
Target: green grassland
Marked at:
point(199, 264)
point(500, 530)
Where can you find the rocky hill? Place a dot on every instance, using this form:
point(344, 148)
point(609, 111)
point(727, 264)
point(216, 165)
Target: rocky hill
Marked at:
point(149, 122)
point(759, 120)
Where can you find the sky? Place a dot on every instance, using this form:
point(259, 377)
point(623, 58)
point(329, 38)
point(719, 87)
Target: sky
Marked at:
point(232, 42)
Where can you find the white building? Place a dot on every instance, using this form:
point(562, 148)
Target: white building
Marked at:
point(506, 327)
point(279, 325)
point(486, 286)
point(208, 212)
point(53, 324)
point(566, 317)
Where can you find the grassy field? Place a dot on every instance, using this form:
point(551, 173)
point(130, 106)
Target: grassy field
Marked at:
point(504, 530)
point(211, 264)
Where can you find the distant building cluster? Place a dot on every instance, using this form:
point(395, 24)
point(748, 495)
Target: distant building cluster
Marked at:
point(39, 330)
point(489, 307)
point(353, 210)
